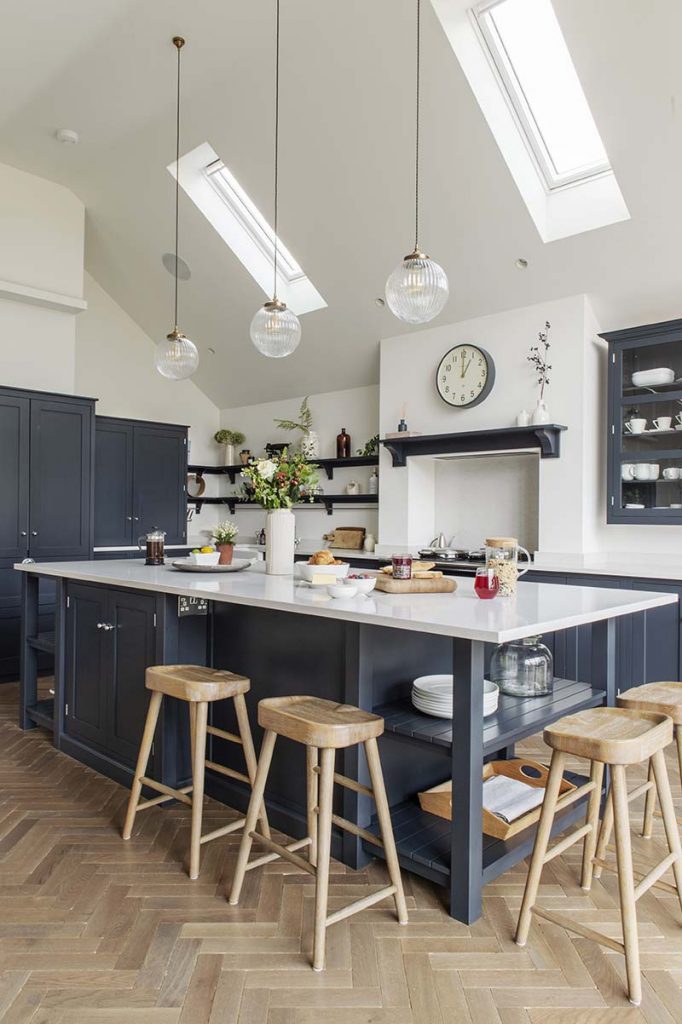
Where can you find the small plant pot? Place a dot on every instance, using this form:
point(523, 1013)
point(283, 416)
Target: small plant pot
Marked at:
point(226, 553)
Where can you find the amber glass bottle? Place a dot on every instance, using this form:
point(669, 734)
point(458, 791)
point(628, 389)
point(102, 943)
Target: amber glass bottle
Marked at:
point(343, 444)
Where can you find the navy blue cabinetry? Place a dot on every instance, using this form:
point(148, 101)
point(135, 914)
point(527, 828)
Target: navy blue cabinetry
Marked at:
point(140, 481)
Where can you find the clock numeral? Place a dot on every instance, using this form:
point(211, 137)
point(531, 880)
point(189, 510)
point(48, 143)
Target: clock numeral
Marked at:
point(447, 388)
point(448, 368)
point(479, 385)
point(471, 394)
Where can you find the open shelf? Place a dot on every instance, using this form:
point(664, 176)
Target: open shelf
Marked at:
point(515, 718)
point(42, 713)
point(328, 465)
point(328, 500)
point(545, 438)
point(42, 642)
point(423, 840)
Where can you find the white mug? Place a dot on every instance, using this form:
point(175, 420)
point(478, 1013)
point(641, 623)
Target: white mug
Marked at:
point(678, 418)
point(636, 426)
point(663, 422)
point(627, 471)
point(671, 473)
point(655, 470)
point(642, 471)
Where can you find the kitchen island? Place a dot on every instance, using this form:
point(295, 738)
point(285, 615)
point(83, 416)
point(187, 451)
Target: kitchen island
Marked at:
point(114, 618)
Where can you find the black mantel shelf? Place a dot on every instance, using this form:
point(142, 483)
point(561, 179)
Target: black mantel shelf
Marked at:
point(545, 437)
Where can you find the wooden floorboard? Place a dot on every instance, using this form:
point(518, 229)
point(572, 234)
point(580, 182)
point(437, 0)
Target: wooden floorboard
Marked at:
point(97, 931)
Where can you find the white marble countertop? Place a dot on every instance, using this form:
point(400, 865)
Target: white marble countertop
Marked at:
point(537, 607)
point(652, 567)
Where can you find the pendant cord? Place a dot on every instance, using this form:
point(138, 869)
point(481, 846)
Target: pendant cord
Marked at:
point(178, 44)
point(416, 162)
point(274, 289)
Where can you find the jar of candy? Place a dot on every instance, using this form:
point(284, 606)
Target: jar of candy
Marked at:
point(502, 556)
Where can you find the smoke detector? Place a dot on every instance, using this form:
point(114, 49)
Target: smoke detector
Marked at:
point(67, 136)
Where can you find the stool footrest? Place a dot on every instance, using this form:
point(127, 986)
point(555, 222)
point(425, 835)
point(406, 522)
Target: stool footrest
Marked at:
point(267, 858)
point(229, 772)
point(283, 851)
point(640, 790)
point(361, 904)
point(566, 842)
point(343, 780)
point(638, 877)
point(356, 830)
point(579, 929)
point(212, 730)
point(144, 804)
point(652, 877)
point(171, 794)
point(570, 798)
point(224, 831)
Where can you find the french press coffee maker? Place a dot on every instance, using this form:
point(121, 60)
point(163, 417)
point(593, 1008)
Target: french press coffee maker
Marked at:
point(154, 541)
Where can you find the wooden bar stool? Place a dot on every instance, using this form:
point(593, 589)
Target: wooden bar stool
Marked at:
point(199, 686)
point(325, 727)
point(615, 737)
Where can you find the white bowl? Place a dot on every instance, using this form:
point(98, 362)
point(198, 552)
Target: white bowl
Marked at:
point(342, 590)
point(653, 378)
point(307, 571)
point(362, 586)
point(206, 559)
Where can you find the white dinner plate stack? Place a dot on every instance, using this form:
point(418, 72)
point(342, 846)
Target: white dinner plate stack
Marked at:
point(432, 695)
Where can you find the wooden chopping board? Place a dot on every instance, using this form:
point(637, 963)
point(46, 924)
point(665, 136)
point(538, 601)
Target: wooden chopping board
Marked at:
point(440, 585)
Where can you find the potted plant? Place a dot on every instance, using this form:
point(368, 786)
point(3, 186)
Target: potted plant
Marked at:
point(538, 358)
point(277, 484)
point(230, 439)
point(223, 536)
point(310, 442)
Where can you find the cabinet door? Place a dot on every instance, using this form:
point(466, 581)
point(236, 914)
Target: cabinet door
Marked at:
point(159, 480)
point(113, 482)
point(60, 521)
point(577, 650)
point(87, 671)
point(131, 648)
point(14, 474)
point(655, 639)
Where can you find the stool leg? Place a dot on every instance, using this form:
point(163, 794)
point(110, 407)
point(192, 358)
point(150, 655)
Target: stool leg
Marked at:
point(626, 883)
point(142, 760)
point(556, 771)
point(650, 804)
point(592, 818)
point(669, 820)
point(198, 771)
point(324, 836)
point(255, 802)
point(384, 815)
point(311, 801)
point(604, 832)
point(192, 727)
point(249, 754)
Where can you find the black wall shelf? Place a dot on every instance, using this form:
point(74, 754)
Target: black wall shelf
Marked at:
point(546, 438)
point(328, 465)
point(328, 500)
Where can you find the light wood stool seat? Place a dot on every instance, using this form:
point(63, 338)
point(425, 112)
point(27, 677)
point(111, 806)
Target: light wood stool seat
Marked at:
point(199, 686)
point(616, 737)
point(323, 727)
point(318, 723)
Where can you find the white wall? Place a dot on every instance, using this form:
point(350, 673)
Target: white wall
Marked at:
point(357, 410)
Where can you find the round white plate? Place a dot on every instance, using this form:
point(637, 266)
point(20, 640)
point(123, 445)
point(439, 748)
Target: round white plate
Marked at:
point(187, 565)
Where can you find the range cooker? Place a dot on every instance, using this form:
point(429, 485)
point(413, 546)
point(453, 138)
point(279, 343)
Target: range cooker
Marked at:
point(456, 559)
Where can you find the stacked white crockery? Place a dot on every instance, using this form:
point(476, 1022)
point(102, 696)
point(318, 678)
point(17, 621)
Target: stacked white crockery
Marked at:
point(432, 695)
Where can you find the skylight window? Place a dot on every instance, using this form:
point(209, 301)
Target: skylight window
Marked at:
point(530, 54)
point(232, 213)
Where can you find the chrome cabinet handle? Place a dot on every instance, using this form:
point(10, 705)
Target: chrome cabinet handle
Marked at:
point(106, 626)
point(129, 518)
point(23, 533)
point(34, 533)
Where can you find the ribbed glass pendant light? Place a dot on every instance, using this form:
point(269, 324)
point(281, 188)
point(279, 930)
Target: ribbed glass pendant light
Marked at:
point(176, 357)
point(417, 290)
point(275, 330)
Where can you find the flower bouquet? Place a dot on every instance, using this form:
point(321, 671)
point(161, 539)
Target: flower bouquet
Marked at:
point(277, 484)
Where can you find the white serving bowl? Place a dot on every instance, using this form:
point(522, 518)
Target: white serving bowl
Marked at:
point(342, 590)
point(206, 559)
point(307, 571)
point(653, 378)
point(362, 586)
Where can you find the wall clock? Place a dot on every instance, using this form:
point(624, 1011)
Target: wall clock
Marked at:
point(465, 376)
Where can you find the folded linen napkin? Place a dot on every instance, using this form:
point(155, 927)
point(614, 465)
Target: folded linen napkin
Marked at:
point(509, 798)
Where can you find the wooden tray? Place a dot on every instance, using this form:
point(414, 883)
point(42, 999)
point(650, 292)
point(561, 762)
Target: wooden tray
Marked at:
point(349, 537)
point(439, 799)
point(439, 585)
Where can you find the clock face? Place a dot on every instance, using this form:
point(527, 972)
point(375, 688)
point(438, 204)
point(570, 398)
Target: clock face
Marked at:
point(465, 376)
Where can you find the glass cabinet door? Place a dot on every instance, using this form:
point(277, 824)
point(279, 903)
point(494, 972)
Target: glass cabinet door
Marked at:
point(646, 428)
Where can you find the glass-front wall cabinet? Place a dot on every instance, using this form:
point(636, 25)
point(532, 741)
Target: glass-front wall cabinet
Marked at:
point(645, 424)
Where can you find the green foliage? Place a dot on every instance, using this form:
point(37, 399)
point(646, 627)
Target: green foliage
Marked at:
point(371, 447)
point(281, 481)
point(229, 437)
point(304, 423)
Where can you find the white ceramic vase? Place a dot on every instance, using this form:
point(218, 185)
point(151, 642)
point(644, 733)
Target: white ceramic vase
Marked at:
point(280, 529)
point(310, 445)
point(540, 413)
point(229, 455)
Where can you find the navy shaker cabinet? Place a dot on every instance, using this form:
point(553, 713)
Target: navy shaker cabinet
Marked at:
point(140, 481)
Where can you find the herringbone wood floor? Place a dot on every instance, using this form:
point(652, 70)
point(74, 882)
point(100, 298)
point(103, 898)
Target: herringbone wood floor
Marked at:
point(97, 931)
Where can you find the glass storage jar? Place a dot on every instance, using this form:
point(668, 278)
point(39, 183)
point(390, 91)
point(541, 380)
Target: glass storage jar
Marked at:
point(502, 556)
point(523, 668)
